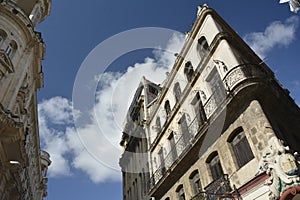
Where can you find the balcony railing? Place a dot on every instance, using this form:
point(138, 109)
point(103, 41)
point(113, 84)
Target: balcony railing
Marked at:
point(200, 196)
point(181, 145)
point(240, 73)
point(216, 190)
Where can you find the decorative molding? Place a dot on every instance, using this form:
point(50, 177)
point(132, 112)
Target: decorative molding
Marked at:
point(282, 165)
point(6, 65)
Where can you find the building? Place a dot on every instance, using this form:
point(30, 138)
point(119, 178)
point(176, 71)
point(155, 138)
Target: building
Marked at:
point(294, 4)
point(219, 127)
point(23, 166)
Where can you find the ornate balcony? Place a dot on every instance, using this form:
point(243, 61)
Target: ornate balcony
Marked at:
point(242, 73)
point(216, 190)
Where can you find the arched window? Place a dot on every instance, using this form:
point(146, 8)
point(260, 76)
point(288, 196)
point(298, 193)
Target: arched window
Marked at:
point(177, 91)
point(240, 147)
point(215, 166)
point(202, 47)
point(167, 107)
point(195, 182)
point(188, 71)
point(180, 192)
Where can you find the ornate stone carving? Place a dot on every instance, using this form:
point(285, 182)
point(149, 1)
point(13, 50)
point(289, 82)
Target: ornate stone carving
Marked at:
point(282, 165)
point(6, 65)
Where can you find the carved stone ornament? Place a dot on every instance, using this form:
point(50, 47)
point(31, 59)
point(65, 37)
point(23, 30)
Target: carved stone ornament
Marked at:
point(6, 65)
point(282, 165)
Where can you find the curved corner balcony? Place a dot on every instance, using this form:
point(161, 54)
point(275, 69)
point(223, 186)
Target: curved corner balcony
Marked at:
point(235, 77)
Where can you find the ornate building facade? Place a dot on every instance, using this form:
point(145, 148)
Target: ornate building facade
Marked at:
point(23, 165)
point(219, 127)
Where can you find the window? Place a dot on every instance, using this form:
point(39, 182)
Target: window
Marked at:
point(158, 124)
point(180, 192)
point(8, 50)
point(167, 107)
point(151, 93)
point(215, 166)
point(216, 85)
point(162, 160)
point(36, 15)
point(172, 146)
point(177, 91)
point(241, 147)
point(202, 47)
point(199, 110)
point(11, 48)
point(195, 182)
point(188, 71)
point(184, 129)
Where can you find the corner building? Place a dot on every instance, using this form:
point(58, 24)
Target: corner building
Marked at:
point(219, 127)
point(23, 165)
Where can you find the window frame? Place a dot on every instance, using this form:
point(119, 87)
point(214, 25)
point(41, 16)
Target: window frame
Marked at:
point(215, 165)
point(240, 146)
point(184, 129)
point(180, 192)
point(167, 107)
point(199, 109)
point(177, 91)
point(11, 48)
point(188, 71)
point(202, 47)
point(158, 124)
point(195, 182)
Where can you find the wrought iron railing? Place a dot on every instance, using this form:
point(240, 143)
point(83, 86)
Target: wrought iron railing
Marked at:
point(181, 145)
point(199, 196)
point(218, 188)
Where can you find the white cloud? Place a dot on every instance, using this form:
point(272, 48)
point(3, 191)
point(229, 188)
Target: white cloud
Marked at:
point(102, 135)
point(52, 137)
point(276, 34)
point(58, 110)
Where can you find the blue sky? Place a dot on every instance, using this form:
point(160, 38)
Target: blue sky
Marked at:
point(75, 28)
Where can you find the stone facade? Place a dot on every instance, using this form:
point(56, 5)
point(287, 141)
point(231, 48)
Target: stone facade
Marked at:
point(23, 165)
point(208, 128)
